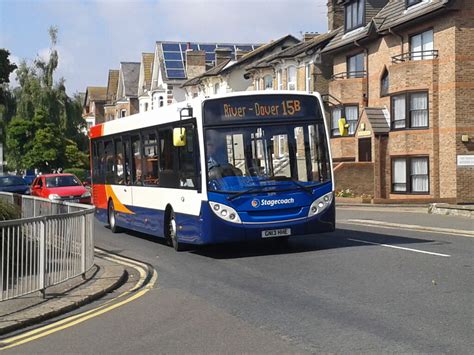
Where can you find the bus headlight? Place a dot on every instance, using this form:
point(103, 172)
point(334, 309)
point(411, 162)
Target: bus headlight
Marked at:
point(225, 212)
point(320, 204)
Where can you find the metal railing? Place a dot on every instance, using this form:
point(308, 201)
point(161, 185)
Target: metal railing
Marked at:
point(51, 243)
point(420, 55)
point(350, 75)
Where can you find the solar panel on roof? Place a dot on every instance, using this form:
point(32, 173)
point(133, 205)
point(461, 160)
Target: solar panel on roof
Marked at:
point(172, 55)
point(174, 64)
point(208, 47)
point(210, 56)
point(171, 47)
point(175, 74)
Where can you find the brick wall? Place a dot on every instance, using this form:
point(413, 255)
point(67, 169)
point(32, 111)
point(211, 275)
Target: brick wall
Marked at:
point(358, 177)
point(464, 88)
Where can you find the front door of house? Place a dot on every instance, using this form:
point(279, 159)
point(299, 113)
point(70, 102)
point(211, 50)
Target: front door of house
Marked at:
point(365, 149)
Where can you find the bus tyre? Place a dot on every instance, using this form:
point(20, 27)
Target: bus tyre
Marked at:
point(112, 218)
point(172, 232)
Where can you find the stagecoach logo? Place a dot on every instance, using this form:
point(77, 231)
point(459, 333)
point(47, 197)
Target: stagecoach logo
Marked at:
point(255, 203)
point(283, 201)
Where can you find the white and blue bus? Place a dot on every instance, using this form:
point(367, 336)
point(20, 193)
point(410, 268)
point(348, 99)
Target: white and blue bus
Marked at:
point(237, 167)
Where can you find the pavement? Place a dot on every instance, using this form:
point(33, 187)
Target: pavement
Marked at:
point(106, 275)
point(25, 311)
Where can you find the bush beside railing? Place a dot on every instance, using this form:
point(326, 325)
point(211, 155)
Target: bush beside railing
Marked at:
point(50, 244)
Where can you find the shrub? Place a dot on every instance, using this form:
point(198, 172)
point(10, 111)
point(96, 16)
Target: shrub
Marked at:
point(8, 211)
point(345, 193)
point(80, 173)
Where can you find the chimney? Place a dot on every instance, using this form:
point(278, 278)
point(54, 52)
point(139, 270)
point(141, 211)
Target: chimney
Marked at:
point(309, 36)
point(195, 63)
point(223, 54)
point(239, 53)
point(335, 14)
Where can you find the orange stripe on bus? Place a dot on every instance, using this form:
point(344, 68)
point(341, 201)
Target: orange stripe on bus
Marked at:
point(118, 206)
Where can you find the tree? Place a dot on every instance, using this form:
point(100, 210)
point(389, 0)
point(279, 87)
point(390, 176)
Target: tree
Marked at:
point(7, 102)
point(45, 132)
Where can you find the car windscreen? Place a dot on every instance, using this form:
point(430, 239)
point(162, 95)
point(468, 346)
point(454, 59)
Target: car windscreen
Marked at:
point(11, 181)
point(62, 181)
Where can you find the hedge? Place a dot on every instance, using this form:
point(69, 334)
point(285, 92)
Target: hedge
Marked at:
point(80, 173)
point(9, 211)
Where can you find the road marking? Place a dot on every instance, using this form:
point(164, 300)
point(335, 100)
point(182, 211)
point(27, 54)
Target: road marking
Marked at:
point(402, 248)
point(82, 317)
point(387, 225)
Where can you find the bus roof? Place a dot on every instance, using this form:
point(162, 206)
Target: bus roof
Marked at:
point(170, 113)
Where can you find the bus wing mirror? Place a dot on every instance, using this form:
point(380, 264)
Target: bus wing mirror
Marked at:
point(343, 127)
point(179, 137)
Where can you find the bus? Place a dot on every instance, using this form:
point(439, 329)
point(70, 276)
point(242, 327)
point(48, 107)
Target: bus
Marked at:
point(234, 167)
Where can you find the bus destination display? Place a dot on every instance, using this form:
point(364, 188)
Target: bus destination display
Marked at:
point(244, 108)
point(285, 108)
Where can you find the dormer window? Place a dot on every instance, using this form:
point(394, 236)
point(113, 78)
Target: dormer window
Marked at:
point(413, 2)
point(355, 14)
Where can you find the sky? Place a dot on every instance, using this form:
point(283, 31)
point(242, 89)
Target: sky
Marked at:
point(96, 35)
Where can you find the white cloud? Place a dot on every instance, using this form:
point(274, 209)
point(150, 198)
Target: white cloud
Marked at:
point(95, 36)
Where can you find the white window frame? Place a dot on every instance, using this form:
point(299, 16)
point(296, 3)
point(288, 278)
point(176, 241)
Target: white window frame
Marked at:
point(292, 84)
point(308, 77)
point(426, 44)
point(268, 79)
point(279, 79)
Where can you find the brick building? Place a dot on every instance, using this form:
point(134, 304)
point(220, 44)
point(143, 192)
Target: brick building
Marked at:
point(93, 105)
point(144, 82)
point(112, 86)
point(403, 79)
point(127, 89)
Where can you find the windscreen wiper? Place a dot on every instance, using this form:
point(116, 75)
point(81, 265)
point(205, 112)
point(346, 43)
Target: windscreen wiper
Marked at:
point(306, 188)
point(252, 189)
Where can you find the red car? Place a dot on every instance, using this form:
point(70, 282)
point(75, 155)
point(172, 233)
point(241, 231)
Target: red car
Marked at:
point(60, 187)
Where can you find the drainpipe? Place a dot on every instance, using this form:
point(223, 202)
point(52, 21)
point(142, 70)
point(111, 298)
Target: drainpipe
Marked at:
point(366, 50)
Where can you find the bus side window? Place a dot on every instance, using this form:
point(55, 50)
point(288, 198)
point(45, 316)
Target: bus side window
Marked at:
point(168, 156)
point(119, 163)
point(101, 164)
point(150, 159)
point(188, 160)
point(109, 162)
point(136, 161)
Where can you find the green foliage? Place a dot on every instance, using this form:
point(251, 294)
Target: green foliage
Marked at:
point(8, 211)
point(345, 193)
point(6, 68)
point(80, 173)
point(45, 132)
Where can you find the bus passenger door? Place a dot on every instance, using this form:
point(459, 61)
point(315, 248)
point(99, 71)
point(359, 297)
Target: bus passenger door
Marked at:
point(122, 187)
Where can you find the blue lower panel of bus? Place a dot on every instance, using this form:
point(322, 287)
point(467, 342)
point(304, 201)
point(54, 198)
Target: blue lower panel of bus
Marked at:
point(191, 229)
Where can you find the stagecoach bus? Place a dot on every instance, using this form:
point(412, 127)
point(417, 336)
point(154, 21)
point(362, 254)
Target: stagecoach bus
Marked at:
point(234, 167)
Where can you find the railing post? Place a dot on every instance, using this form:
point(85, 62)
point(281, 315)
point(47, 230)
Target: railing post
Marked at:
point(42, 257)
point(83, 247)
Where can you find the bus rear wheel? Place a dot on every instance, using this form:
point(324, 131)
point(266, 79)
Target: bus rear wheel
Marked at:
point(112, 218)
point(172, 232)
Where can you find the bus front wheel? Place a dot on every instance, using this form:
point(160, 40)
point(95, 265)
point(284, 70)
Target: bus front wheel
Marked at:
point(172, 232)
point(112, 218)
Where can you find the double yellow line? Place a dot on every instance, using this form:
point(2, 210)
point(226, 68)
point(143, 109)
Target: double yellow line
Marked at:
point(136, 292)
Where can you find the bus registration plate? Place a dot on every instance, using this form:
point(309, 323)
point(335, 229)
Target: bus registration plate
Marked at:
point(273, 233)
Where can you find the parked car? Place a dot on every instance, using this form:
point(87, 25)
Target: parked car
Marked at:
point(60, 187)
point(12, 183)
point(29, 176)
